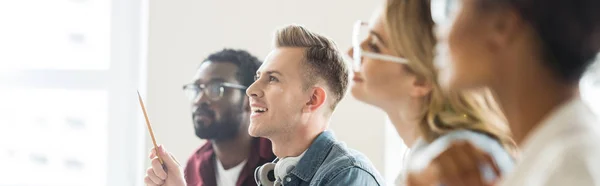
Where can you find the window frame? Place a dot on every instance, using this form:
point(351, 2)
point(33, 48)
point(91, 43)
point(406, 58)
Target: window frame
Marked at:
point(125, 75)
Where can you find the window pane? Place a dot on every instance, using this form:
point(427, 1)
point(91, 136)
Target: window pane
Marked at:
point(53, 137)
point(57, 34)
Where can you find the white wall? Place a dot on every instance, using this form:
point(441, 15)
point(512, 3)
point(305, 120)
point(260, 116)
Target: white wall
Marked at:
point(183, 32)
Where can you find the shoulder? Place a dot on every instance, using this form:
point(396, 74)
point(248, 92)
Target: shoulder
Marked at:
point(579, 165)
point(203, 153)
point(198, 160)
point(345, 165)
point(485, 143)
point(480, 140)
point(203, 150)
point(476, 138)
point(577, 127)
point(583, 147)
point(577, 142)
point(342, 157)
point(351, 176)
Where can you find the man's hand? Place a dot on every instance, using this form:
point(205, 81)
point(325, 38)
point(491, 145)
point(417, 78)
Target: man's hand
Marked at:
point(168, 175)
point(459, 165)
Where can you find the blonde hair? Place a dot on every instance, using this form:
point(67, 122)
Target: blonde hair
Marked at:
point(410, 28)
point(322, 59)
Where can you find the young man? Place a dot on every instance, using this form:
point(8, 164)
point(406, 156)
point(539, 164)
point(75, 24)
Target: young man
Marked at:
point(220, 114)
point(295, 93)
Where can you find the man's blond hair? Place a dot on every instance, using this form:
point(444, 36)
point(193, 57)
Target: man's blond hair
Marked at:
point(322, 59)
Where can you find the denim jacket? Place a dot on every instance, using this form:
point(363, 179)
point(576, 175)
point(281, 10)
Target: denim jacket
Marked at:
point(329, 162)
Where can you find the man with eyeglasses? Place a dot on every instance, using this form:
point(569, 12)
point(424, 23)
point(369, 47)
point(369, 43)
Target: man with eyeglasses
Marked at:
point(220, 114)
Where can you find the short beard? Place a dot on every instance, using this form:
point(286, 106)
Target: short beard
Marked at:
point(226, 128)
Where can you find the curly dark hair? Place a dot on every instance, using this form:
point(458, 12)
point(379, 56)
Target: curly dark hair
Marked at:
point(569, 31)
point(246, 63)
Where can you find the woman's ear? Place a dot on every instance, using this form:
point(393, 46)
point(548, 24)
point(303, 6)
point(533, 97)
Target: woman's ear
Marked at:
point(420, 87)
point(505, 27)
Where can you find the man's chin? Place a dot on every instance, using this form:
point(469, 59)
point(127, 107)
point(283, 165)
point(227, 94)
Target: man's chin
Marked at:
point(204, 132)
point(255, 131)
point(203, 135)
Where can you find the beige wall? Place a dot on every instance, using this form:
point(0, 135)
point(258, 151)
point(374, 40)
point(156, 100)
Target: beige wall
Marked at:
point(183, 32)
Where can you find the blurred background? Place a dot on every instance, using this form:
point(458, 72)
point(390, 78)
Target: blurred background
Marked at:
point(69, 71)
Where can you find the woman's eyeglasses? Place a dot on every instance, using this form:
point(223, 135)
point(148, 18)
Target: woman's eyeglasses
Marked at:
point(360, 34)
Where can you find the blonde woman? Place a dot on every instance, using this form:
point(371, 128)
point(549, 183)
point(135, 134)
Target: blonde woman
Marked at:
point(394, 71)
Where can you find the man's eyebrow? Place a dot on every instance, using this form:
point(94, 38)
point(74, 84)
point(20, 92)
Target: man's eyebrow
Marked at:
point(269, 72)
point(198, 81)
point(274, 72)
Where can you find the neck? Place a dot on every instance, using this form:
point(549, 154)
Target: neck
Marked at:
point(406, 128)
point(405, 121)
point(294, 142)
point(232, 152)
point(528, 99)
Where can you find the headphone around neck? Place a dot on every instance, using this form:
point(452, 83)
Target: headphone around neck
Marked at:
point(267, 174)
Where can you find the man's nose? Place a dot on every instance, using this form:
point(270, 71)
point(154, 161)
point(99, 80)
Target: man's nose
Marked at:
point(201, 98)
point(254, 90)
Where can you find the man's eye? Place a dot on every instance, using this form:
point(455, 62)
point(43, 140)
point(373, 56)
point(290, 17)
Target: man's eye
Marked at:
point(273, 78)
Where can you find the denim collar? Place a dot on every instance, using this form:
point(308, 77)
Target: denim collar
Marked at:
point(314, 157)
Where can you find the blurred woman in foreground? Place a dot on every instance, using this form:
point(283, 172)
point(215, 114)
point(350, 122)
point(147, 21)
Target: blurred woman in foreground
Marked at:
point(532, 53)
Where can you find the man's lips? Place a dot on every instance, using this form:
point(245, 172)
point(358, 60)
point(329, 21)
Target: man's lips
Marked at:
point(207, 115)
point(204, 116)
point(258, 109)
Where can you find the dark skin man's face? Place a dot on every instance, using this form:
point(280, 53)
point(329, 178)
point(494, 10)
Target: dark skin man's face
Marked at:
point(223, 118)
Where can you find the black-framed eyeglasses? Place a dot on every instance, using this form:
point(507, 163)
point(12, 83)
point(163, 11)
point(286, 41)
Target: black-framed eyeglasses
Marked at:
point(214, 90)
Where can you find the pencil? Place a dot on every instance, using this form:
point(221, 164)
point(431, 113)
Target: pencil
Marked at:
point(149, 128)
